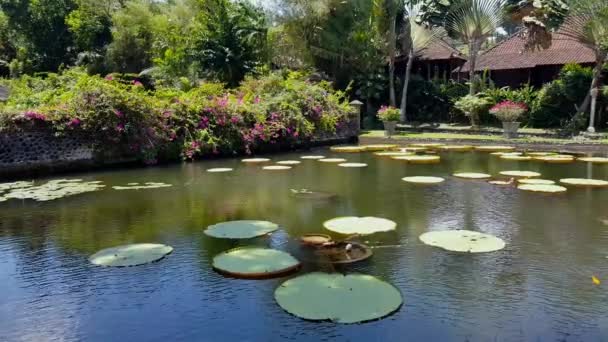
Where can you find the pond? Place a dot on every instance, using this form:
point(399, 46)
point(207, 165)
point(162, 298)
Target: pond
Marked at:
point(538, 288)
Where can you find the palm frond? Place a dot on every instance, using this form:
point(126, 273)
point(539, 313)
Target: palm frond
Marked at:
point(475, 20)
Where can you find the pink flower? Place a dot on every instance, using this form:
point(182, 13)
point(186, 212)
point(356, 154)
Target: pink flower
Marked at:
point(119, 113)
point(203, 123)
point(137, 83)
point(120, 127)
point(257, 100)
point(167, 114)
point(109, 77)
point(234, 119)
point(34, 116)
point(75, 122)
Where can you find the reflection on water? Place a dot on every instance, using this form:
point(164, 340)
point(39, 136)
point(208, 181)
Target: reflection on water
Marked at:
point(537, 289)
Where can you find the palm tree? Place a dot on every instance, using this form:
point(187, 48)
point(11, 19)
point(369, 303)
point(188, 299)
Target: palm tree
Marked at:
point(385, 17)
point(474, 22)
point(587, 23)
point(416, 37)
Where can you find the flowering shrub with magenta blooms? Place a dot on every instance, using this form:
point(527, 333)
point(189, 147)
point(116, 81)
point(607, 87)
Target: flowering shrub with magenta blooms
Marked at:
point(509, 111)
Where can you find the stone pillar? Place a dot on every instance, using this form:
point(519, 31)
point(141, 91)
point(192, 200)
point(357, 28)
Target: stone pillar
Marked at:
point(594, 94)
point(356, 106)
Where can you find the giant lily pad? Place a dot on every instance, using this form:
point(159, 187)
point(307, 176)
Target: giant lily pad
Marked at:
point(393, 154)
point(277, 168)
point(145, 186)
point(312, 195)
point(130, 255)
point(255, 263)
point(289, 162)
point(556, 159)
point(352, 298)
point(503, 154)
point(464, 241)
point(456, 148)
point(220, 170)
point(348, 149)
point(427, 145)
point(52, 190)
point(245, 229)
point(546, 188)
point(15, 185)
point(472, 175)
point(425, 159)
point(595, 183)
point(522, 174)
point(490, 148)
point(535, 181)
point(359, 225)
point(352, 165)
point(423, 180)
point(540, 154)
point(312, 157)
point(598, 160)
point(255, 160)
point(500, 182)
point(332, 160)
point(378, 147)
point(410, 149)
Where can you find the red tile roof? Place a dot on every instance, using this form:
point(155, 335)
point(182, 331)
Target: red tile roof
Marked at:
point(510, 54)
point(439, 50)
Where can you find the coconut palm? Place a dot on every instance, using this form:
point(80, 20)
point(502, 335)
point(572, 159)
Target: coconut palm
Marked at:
point(416, 37)
point(587, 23)
point(474, 22)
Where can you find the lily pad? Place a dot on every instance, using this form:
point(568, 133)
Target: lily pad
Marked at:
point(393, 154)
point(494, 148)
point(427, 145)
point(594, 183)
point(556, 159)
point(423, 180)
point(472, 175)
point(501, 154)
point(500, 182)
point(255, 160)
point(344, 252)
point(464, 241)
point(424, 159)
point(339, 298)
point(515, 158)
point(244, 229)
point(277, 168)
point(359, 225)
point(540, 154)
point(145, 186)
point(312, 157)
point(546, 188)
point(52, 190)
point(220, 170)
point(535, 181)
point(332, 160)
point(378, 147)
point(456, 148)
point(598, 160)
point(348, 149)
point(315, 240)
point(130, 255)
point(255, 263)
point(15, 185)
point(522, 174)
point(352, 165)
point(410, 149)
point(289, 162)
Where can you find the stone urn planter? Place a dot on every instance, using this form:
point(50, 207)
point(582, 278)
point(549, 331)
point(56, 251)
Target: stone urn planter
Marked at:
point(390, 127)
point(510, 129)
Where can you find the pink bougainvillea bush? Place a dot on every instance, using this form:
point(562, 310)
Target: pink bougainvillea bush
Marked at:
point(277, 109)
point(509, 111)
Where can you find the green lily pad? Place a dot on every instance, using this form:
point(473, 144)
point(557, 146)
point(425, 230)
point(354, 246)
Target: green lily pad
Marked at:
point(599, 160)
point(130, 255)
point(546, 188)
point(289, 162)
point(255, 263)
point(277, 168)
point(15, 185)
point(51, 190)
point(245, 229)
point(535, 181)
point(359, 225)
point(465, 241)
point(312, 157)
point(523, 174)
point(352, 165)
point(220, 170)
point(472, 175)
point(332, 160)
point(339, 298)
point(594, 183)
point(423, 180)
point(255, 160)
point(137, 186)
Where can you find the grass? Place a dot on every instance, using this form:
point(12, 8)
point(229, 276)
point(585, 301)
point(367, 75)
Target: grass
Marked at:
point(475, 137)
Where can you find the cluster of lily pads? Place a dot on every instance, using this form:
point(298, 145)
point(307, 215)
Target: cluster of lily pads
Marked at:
point(60, 188)
point(316, 296)
point(524, 180)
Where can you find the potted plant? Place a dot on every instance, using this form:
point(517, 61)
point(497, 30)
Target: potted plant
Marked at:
point(509, 113)
point(389, 116)
point(473, 106)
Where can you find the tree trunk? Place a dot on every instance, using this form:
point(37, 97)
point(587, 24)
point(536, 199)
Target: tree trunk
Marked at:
point(595, 83)
point(392, 42)
point(406, 81)
point(472, 64)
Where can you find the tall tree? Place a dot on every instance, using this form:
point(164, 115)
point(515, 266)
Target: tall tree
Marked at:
point(386, 13)
point(474, 22)
point(416, 37)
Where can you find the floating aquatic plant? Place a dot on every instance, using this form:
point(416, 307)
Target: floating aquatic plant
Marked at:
point(51, 190)
point(277, 168)
point(393, 154)
point(244, 229)
point(423, 180)
point(289, 162)
point(496, 148)
point(352, 165)
point(472, 175)
point(598, 183)
point(456, 148)
point(547, 188)
point(598, 160)
point(145, 186)
point(332, 160)
point(130, 255)
point(359, 225)
point(515, 158)
point(522, 174)
point(352, 298)
point(348, 149)
point(464, 241)
point(378, 147)
point(425, 159)
point(312, 157)
point(535, 181)
point(220, 170)
point(255, 263)
point(255, 160)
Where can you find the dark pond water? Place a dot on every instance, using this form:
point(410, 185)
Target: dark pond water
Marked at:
point(538, 288)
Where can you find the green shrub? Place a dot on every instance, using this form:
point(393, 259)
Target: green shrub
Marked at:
point(474, 107)
point(425, 101)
